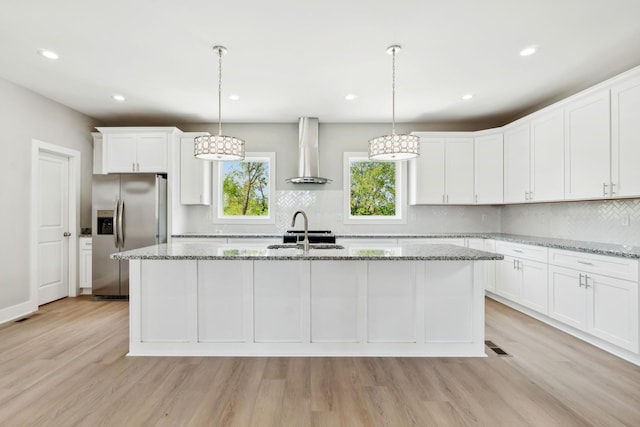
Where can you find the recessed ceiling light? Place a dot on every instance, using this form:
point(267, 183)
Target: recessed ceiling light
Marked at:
point(118, 97)
point(49, 54)
point(350, 96)
point(527, 51)
point(234, 97)
point(467, 96)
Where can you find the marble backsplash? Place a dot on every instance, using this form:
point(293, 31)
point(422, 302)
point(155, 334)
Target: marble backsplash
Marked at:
point(324, 209)
point(607, 221)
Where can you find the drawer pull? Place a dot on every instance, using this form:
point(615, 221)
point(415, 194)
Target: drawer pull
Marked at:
point(585, 262)
point(518, 250)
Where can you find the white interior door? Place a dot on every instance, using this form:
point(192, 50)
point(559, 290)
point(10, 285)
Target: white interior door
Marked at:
point(53, 227)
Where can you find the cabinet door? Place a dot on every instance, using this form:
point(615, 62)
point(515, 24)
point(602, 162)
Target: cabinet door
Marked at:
point(195, 176)
point(508, 279)
point(613, 310)
point(459, 171)
point(587, 145)
point(567, 298)
point(151, 153)
point(426, 182)
point(121, 153)
point(488, 169)
point(516, 164)
point(625, 137)
point(547, 157)
point(534, 285)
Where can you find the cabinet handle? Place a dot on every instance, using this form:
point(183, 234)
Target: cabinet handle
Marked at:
point(585, 262)
point(580, 280)
point(526, 195)
point(604, 189)
point(476, 198)
point(443, 198)
point(514, 263)
point(586, 282)
point(133, 166)
point(518, 250)
point(447, 198)
point(519, 265)
point(613, 186)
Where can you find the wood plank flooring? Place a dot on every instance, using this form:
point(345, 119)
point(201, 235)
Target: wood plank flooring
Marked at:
point(66, 366)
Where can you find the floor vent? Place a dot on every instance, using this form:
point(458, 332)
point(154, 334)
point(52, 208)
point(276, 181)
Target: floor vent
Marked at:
point(497, 350)
point(24, 319)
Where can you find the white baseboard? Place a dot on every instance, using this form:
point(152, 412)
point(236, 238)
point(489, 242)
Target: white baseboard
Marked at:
point(16, 311)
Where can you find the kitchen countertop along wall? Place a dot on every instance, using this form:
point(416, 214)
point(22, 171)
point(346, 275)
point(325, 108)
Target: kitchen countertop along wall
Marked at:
point(610, 249)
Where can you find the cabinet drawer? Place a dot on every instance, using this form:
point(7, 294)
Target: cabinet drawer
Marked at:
point(84, 243)
point(621, 268)
point(534, 253)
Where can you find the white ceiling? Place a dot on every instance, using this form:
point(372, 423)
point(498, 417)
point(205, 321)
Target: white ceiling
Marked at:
point(291, 58)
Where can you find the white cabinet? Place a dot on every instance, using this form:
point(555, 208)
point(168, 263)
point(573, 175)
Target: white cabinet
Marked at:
point(547, 157)
point(195, 174)
point(522, 275)
point(602, 306)
point(516, 164)
point(487, 245)
point(625, 138)
point(443, 174)
point(133, 150)
point(84, 265)
point(587, 145)
point(488, 167)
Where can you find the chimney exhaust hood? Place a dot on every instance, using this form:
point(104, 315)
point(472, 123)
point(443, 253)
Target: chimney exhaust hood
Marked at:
point(308, 157)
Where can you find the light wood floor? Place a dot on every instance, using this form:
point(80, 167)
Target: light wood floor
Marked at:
point(66, 366)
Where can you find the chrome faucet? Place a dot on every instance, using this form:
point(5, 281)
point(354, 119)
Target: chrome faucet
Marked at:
point(305, 241)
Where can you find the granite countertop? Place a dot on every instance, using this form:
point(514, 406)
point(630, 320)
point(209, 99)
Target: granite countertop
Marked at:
point(610, 249)
point(207, 251)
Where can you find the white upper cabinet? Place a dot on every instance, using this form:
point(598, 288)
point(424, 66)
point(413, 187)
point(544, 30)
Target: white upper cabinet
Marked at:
point(426, 173)
point(587, 147)
point(625, 138)
point(195, 174)
point(547, 157)
point(133, 150)
point(459, 170)
point(516, 164)
point(488, 168)
point(443, 174)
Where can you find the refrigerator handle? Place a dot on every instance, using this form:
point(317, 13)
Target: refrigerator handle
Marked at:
point(115, 224)
point(121, 223)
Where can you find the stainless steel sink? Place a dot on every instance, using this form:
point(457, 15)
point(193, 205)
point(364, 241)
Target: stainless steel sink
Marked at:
point(311, 246)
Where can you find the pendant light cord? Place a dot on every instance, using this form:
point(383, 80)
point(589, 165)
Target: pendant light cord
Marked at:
point(219, 91)
point(393, 91)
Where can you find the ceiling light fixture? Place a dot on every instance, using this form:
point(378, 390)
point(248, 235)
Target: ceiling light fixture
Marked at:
point(528, 51)
point(394, 147)
point(118, 97)
point(350, 96)
point(219, 147)
point(49, 54)
point(467, 96)
point(234, 97)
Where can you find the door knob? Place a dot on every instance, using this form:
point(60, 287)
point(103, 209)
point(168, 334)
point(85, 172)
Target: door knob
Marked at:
point(66, 234)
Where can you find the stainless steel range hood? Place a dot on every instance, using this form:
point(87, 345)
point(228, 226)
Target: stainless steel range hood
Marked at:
point(308, 156)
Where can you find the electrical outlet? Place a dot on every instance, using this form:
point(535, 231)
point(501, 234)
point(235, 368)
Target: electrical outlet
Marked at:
point(625, 220)
point(484, 217)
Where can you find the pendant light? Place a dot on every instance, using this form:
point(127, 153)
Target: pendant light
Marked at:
point(219, 147)
point(395, 146)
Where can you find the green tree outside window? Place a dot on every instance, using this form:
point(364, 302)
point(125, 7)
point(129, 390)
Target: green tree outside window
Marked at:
point(246, 188)
point(373, 188)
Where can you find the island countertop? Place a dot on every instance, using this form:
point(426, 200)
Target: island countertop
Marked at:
point(404, 252)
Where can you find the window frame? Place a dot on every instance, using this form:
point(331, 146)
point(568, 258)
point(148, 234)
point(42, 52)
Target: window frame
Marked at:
point(401, 193)
point(218, 215)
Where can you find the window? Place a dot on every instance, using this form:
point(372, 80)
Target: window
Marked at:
point(374, 191)
point(245, 190)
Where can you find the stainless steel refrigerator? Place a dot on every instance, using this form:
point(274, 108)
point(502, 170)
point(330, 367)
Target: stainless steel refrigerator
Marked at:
point(129, 211)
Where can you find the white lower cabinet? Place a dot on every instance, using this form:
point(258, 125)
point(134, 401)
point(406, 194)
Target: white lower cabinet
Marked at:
point(602, 306)
point(487, 245)
point(84, 270)
point(523, 280)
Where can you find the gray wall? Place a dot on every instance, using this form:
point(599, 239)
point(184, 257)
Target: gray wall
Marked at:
point(324, 203)
point(26, 116)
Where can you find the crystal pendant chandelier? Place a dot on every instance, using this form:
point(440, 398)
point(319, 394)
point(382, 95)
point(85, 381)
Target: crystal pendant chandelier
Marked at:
point(395, 146)
point(219, 147)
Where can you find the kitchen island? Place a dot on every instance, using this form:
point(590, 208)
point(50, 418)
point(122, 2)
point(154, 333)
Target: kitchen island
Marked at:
point(198, 299)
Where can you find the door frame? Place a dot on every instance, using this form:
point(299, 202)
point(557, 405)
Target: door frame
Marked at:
point(74, 157)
